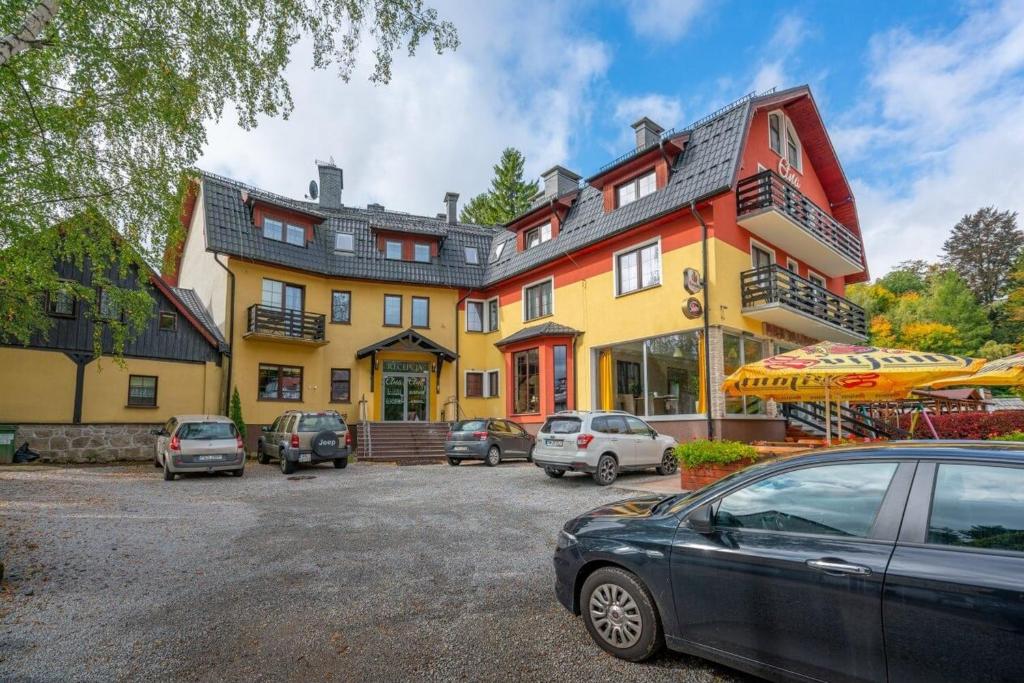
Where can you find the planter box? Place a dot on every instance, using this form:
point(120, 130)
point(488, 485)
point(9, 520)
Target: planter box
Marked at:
point(691, 479)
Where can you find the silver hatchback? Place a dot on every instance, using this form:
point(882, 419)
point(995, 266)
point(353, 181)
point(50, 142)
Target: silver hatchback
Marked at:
point(199, 443)
point(601, 443)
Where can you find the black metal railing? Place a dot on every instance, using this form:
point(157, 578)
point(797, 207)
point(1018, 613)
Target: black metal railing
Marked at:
point(777, 285)
point(768, 190)
point(285, 323)
point(856, 421)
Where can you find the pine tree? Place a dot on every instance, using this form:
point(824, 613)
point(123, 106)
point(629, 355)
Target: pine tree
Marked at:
point(982, 249)
point(508, 197)
point(235, 412)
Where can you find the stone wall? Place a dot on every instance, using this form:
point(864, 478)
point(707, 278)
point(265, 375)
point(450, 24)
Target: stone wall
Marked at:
point(66, 443)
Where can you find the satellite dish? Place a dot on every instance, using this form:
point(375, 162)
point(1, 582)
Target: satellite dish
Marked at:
point(312, 189)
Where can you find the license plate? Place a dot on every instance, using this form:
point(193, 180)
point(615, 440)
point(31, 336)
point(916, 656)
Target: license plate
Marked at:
point(305, 457)
point(553, 442)
point(461, 448)
point(207, 458)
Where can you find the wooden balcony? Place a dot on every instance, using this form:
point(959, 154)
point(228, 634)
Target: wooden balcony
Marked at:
point(275, 324)
point(780, 297)
point(774, 210)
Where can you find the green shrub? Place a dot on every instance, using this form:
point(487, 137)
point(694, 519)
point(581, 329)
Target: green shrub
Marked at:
point(1012, 436)
point(692, 454)
point(235, 412)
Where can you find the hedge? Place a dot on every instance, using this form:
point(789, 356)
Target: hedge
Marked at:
point(702, 452)
point(975, 425)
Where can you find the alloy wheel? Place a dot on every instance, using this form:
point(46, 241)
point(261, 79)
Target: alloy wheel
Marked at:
point(615, 615)
point(493, 456)
point(606, 470)
point(669, 464)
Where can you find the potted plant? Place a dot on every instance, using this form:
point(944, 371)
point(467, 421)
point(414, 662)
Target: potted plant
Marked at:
point(703, 462)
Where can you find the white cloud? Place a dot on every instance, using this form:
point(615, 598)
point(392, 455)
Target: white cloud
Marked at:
point(946, 115)
point(779, 54)
point(439, 125)
point(663, 20)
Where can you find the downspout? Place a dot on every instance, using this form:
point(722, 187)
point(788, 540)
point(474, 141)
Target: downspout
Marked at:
point(707, 339)
point(231, 334)
point(458, 356)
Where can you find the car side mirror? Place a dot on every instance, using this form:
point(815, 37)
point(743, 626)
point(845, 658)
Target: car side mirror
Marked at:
point(654, 434)
point(264, 429)
point(702, 520)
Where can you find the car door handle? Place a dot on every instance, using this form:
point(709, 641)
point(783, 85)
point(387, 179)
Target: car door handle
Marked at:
point(836, 567)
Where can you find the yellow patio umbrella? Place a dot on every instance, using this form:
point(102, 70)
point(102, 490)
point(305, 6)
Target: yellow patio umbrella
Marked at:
point(1005, 372)
point(844, 372)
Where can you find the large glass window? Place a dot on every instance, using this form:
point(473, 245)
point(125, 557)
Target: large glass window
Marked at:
point(978, 506)
point(344, 241)
point(537, 301)
point(421, 253)
point(738, 350)
point(392, 310)
point(658, 376)
point(420, 311)
point(472, 255)
point(638, 269)
point(280, 383)
point(833, 500)
point(526, 366)
point(393, 250)
point(296, 235)
point(273, 229)
point(341, 307)
point(561, 383)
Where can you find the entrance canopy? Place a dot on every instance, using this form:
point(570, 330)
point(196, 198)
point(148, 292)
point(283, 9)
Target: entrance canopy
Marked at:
point(408, 340)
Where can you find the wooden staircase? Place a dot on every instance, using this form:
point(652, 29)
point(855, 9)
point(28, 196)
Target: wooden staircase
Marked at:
point(405, 443)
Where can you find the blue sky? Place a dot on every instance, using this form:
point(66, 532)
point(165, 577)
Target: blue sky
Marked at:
point(923, 101)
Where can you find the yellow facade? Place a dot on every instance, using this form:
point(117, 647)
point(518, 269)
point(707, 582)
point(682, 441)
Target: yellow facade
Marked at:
point(39, 387)
point(343, 341)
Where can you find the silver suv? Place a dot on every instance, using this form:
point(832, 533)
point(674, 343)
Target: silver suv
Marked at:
point(603, 443)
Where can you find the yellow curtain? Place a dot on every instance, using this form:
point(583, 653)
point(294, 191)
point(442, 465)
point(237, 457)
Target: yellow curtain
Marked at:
point(702, 392)
point(605, 380)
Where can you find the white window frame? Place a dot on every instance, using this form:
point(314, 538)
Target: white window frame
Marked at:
point(475, 261)
point(416, 246)
point(351, 236)
point(388, 243)
point(483, 314)
point(288, 227)
point(635, 182)
point(497, 251)
point(811, 275)
point(763, 247)
point(540, 230)
point(487, 317)
point(282, 231)
point(637, 247)
point(787, 132)
point(792, 265)
point(551, 279)
point(492, 391)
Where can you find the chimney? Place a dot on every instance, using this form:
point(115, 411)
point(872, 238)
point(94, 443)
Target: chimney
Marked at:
point(331, 184)
point(375, 207)
point(647, 132)
point(559, 180)
point(451, 200)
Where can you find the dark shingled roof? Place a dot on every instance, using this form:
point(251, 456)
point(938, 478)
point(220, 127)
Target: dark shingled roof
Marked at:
point(408, 337)
point(543, 330)
point(706, 167)
point(190, 299)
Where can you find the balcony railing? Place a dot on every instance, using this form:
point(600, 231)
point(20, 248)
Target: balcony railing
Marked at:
point(775, 285)
point(768, 190)
point(267, 321)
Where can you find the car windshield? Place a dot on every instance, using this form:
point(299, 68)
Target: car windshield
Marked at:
point(316, 423)
point(562, 425)
point(470, 426)
point(199, 431)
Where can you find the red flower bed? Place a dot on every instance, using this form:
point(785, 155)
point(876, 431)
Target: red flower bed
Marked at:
point(977, 425)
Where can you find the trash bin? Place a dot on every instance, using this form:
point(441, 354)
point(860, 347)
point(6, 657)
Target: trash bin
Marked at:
point(7, 444)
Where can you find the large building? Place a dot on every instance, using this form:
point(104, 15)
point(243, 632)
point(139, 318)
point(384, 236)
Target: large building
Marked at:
point(638, 288)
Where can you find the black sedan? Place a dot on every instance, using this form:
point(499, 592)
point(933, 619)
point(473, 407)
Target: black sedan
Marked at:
point(491, 440)
point(902, 562)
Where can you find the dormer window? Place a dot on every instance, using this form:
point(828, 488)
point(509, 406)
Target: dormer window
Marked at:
point(497, 251)
point(421, 253)
point(538, 235)
point(472, 255)
point(393, 250)
point(632, 190)
point(344, 241)
point(284, 232)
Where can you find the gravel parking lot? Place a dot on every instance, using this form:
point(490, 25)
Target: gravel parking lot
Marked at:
point(374, 572)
